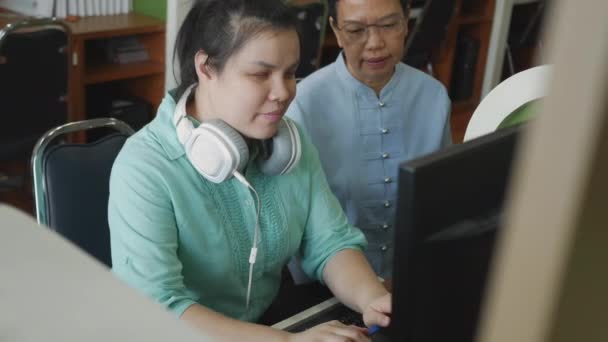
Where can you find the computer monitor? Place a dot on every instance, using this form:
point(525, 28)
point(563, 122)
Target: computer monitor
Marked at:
point(448, 215)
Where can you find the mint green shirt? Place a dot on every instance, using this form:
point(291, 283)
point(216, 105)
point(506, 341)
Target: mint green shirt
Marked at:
point(181, 239)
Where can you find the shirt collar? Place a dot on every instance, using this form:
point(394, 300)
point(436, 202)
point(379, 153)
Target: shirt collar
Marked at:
point(163, 129)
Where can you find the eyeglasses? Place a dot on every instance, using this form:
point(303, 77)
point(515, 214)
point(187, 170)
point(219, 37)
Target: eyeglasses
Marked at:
point(355, 32)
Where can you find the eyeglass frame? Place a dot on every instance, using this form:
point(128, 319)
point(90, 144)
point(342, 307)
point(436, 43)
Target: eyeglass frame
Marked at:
point(401, 19)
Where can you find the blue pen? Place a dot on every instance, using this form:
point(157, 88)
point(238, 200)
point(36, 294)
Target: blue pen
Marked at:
point(372, 330)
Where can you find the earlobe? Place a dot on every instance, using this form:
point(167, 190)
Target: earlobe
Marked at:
point(202, 69)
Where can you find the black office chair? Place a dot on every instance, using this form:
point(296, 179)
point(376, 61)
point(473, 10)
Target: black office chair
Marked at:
point(428, 33)
point(72, 184)
point(312, 23)
point(34, 61)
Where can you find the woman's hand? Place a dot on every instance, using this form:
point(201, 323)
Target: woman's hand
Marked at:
point(377, 311)
point(331, 331)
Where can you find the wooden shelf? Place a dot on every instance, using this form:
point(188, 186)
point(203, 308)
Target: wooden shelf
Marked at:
point(459, 120)
point(142, 80)
point(464, 106)
point(115, 25)
point(113, 72)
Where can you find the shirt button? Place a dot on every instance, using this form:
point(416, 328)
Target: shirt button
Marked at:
point(381, 104)
point(387, 180)
point(385, 155)
point(384, 248)
point(385, 226)
point(387, 204)
point(385, 131)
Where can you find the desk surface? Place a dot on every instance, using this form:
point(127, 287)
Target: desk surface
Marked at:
point(52, 291)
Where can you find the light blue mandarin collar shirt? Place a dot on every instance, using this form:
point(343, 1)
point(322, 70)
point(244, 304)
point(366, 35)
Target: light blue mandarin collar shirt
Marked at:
point(362, 138)
point(181, 239)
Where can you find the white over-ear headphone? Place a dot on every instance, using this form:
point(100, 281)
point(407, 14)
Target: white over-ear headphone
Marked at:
point(217, 151)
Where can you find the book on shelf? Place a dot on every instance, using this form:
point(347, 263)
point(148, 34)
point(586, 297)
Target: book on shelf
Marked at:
point(81, 8)
point(127, 57)
point(125, 50)
point(72, 7)
point(61, 8)
point(465, 62)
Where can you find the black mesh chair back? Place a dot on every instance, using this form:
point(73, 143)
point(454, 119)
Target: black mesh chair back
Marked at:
point(428, 32)
point(34, 72)
point(311, 25)
point(72, 184)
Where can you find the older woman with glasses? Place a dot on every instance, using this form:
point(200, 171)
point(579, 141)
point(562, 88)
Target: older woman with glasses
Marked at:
point(367, 112)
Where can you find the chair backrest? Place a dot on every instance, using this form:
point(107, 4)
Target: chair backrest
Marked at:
point(34, 58)
point(428, 32)
point(71, 184)
point(312, 22)
point(507, 97)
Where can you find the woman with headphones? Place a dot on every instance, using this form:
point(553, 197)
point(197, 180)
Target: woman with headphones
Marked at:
point(210, 200)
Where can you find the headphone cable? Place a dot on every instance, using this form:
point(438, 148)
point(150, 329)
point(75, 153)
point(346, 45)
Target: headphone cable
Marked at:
point(256, 234)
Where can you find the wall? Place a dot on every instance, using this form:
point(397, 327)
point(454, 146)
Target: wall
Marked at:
point(176, 12)
point(153, 8)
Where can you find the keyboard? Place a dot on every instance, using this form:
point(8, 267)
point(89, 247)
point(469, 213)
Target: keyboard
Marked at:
point(327, 311)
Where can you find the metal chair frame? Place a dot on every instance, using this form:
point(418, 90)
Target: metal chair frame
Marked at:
point(32, 23)
point(40, 186)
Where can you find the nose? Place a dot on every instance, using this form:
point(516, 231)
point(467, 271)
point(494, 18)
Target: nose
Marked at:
point(374, 38)
point(282, 90)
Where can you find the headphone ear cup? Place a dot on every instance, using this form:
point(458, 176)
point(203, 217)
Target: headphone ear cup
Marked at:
point(285, 150)
point(216, 150)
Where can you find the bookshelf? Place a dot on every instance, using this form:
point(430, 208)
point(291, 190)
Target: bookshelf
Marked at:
point(144, 80)
point(472, 19)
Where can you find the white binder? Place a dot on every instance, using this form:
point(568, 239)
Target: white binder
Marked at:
point(97, 7)
point(105, 9)
point(82, 11)
point(72, 7)
point(90, 11)
point(61, 8)
point(124, 6)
